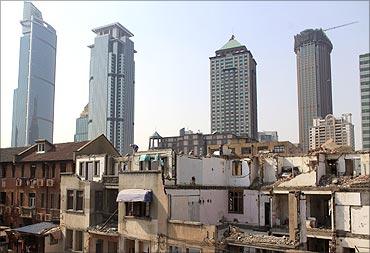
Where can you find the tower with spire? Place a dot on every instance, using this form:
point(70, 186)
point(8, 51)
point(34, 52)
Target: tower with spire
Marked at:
point(233, 90)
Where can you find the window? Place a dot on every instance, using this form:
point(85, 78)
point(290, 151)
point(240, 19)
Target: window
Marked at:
point(22, 171)
point(279, 149)
point(45, 171)
point(138, 209)
point(33, 171)
point(53, 171)
point(75, 200)
point(81, 169)
point(21, 198)
point(236, 168)
point(69, 239)
point(3, 172)
point(13, 170)
point(97, 168)
point(79, 200)
point(12, 198)
point(236, 201)
point(70, 195)
point(52, 200)
point(79, 240)
point(32, 199)
point(42, 200)
point(40, 147)
point(246, 150)
point(3, 198)
point(63, 167)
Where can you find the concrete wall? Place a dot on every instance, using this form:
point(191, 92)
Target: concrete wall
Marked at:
point(360, 220)
point(191, 235)
point(305, 179)
point(53, 247)
point(302, 162)
point(263, 199)
point(188, 167)
point(363, 245)
point(365, 164)
point(269, 170)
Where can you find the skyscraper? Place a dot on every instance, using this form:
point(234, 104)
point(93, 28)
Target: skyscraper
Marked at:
point(82, 125)
point(313, 49)
point(365, 99)
point(111, 88)
point(33, 101)
point(233, 90)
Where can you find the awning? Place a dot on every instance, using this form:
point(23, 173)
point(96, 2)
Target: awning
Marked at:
point(144, 158)
point(134, 195)
point(37, 229)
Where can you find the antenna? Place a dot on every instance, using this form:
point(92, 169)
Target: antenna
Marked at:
point(335, 27)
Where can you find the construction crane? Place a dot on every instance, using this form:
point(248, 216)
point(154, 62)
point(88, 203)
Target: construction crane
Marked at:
point(335, 27)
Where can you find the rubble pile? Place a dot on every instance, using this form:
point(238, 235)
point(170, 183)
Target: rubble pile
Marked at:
point(110, 228)
point(236, 236)
point(345, 181)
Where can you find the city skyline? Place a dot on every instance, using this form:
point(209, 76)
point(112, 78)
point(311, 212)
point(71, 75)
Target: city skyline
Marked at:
point(162, 88)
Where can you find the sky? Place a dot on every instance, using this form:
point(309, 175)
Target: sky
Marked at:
point(174, 41)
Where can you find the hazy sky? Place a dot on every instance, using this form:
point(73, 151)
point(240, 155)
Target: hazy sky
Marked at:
point(174, 41)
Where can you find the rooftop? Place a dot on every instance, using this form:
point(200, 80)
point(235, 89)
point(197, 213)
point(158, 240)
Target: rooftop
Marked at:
point(113, 25)
point(232, 43)
point(7, 154)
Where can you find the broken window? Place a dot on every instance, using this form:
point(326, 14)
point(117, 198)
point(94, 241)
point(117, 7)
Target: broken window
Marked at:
point(236, 201)
point(138, 209)
point(79, 240)
point(70, 195)
point(236, 168)
point(246, 150)
point(79, 200)
point(3, 198)
point(332, 167)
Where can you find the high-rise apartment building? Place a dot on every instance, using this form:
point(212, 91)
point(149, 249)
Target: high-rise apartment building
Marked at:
point(111, 88)
point(233, 90)
point(82, 125)
point(33, 101)
point(312, 48)
point(340, 130)
point(365, 99)
point(268, 136)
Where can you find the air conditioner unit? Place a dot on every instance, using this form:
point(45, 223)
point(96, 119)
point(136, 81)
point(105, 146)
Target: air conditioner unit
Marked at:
point(47, 217)
point(40, 182)
point(3, 183)
point(18, 182)
point(40, 216)
point(50, 182)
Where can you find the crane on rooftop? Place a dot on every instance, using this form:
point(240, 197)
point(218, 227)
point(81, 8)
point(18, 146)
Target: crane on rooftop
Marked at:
point(335, 27)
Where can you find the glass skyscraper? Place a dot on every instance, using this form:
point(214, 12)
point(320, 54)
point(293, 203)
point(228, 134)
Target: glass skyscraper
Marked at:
point(233, 90)
point(313, 49)
point(82, 125)
point(33, 101)
point(111, 87)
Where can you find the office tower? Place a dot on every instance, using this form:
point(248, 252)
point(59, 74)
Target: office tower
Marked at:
point(268, 136)
point(340, 130)
point(365, 99)
point(82, 125)
point(33, 101)
point(233, 90)
point(313, 49)
point(111, 88)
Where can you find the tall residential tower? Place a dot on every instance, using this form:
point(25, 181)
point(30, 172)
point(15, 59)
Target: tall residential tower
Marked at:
point(111, 88)
point(82, 125)
point(313, 49)
point(33, 101)
point(233, 90)
point(365, 99)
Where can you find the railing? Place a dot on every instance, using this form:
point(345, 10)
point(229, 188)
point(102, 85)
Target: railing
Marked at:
point(28, 212)
point(110, 180)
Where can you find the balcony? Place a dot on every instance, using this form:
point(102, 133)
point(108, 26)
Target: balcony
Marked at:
point(110, 180)
point(28, 212)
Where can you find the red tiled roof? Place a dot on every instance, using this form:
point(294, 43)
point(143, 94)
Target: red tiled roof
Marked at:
point(61, 151)
point(7, 154)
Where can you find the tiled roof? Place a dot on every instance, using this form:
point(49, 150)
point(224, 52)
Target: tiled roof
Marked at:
point(62, 151)
point(36, 229)
point(7, 154)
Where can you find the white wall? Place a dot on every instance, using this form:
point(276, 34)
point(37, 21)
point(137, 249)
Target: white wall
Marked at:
point(188, 167)
point(360, 220)
point(92, 158)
